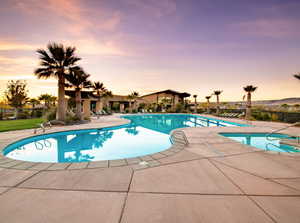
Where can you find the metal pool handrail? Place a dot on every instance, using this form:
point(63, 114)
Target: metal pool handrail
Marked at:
point(278, 130)
point(178, 136)
point(42, 127)
point(278, 147)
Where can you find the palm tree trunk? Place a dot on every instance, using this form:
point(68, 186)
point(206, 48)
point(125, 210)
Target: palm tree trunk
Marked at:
point(208, 106)
point(248, 109)
point(61, 111)
point(218, 105)
point(195, 106)
point(78, 103)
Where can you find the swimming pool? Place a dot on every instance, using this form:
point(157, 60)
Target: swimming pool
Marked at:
point(146, 134)
point(261, 141)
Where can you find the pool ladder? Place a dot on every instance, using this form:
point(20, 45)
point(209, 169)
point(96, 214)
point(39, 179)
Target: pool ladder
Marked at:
point(278, 130)
point(179, 137)
point(42, 127)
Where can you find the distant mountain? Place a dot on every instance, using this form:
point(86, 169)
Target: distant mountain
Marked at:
point(290, 101)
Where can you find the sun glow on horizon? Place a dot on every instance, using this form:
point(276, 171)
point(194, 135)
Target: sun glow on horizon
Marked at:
point(148, 46)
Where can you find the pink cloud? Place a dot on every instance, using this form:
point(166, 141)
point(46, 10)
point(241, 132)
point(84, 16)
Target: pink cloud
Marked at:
point(77, 16)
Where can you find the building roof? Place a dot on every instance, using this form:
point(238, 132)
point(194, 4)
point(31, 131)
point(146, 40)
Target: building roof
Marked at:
point(169, 91)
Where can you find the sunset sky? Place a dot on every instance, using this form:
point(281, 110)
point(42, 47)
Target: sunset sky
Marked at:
point(195, 46)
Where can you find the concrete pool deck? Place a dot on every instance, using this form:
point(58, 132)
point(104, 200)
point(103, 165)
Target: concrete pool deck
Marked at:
point(213, 179)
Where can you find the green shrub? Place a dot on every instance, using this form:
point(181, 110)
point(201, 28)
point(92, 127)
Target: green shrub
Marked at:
point(274, 117)
point(87, 118)
point(24, 115)
point(179, 108)
point(50, 115)
point(70, 118)
point(261, 116)
point(36, 113)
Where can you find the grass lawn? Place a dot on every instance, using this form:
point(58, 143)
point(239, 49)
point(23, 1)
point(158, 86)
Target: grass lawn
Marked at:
point(19, 124)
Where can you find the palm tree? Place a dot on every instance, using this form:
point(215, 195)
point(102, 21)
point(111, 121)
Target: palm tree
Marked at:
point(33, 102)
point(195, 97)
point(132, 98)
point(249, 89)
point(46, 98)
point(297, 76)
point(57, 62)
point(217, 93)
point(53, 100)
point(78, 79)
point(101, 90)
point(208, 103)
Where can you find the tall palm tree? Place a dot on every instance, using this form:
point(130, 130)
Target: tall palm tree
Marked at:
point(297, 76)
point(78, 79)
point(249, 89)
point(208, 103)
point(195, 97)
point(132, 98)
point(217, 93)
point(56, 62)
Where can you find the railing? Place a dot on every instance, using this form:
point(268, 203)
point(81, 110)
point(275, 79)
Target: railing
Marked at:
point(42, 127)
point(278, 147)
point(278, 130)
point(178, 136)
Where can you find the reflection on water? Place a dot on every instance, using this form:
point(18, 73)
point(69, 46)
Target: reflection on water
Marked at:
point(259, 140)
point(167, 123)
point(70, 148)
point(146, 134)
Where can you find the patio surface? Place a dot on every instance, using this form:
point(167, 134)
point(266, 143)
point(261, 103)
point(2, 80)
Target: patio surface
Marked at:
point(213, 179)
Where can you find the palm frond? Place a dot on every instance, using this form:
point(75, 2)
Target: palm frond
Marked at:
point(250, 88)
point(297, 76)
point(218, 92)
point(78, 78)
point(43, 73)
point(57, 52)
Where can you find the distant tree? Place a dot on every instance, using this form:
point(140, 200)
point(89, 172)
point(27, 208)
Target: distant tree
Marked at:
point(297, 106)
point(195, 98)
point(208, 103)
point(285, 106)
point(34, 102)
point(217, 93)
point(46, 99)
point(57, 62)
point(249, 90)
point(16, 94)
point(100, 90)
point(132, 99)
point(78, 80)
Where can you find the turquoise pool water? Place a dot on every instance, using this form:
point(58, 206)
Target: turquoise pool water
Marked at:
point(146, 134)
point(260, 141)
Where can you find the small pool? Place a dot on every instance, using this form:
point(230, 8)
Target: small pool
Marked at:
point(261, 141)
point(146, 134)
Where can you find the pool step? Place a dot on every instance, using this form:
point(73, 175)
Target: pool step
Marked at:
point(291, 142)
point(179, 137)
